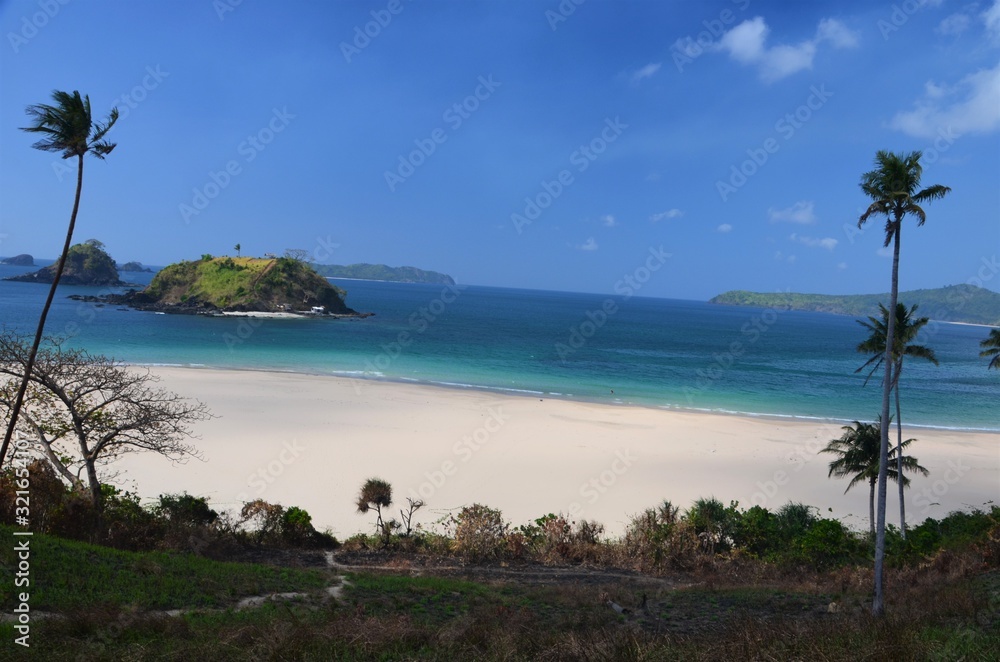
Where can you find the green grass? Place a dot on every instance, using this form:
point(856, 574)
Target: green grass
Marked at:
point(68, 575)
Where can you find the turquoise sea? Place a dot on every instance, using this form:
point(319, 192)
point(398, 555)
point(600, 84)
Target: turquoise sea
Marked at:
point(605, 348)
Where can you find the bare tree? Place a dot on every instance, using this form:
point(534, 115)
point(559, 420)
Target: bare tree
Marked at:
point(297, 254)
point(84, 411)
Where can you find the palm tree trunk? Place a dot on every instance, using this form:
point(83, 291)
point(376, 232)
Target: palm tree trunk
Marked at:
point(19, 400)
point(899, 455)
point(878, 600)
point(871, 507)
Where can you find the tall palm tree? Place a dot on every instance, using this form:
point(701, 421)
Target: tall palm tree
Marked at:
point(894, 187)
point(992, 348)
point(858, 453)
point(66, 127)
point(907, 330)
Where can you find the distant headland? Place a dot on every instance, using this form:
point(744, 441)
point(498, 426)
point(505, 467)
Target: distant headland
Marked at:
point(968, 304)
point(22, 260)
point(364, 271)
point(86, 264)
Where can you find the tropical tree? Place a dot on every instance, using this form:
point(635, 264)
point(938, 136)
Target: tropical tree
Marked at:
point(894, 188)
point(67, 127)
point(237, 247)
point(84, 411)
point(992, 348)
point(376, 494)
point(907, 330)
point(858, 453)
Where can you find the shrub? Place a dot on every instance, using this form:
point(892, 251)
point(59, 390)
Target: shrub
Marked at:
point(184, 509)
point(828, 544)
point(713, 523)
point(480, 533)
point(657, 537)
point(266, 520)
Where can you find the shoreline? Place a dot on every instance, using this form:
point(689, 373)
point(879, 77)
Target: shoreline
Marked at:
point(312, 440)
point(527, 393)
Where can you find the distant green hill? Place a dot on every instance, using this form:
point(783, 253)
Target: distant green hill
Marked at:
point(364, 271)
point(955, 303)
point(86, 264)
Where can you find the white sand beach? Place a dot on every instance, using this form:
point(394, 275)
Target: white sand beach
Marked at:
point(311, 441)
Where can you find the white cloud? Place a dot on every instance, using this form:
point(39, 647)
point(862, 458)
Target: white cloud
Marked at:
point(589, 245)
point(970, 106)
point(954, 25)
point(829, 243)
point(841, 266)
point(664, 215)
point(609, 221)
point(725, 228)
point(647, 71)
point(836, 33)
point(747, 44)
point(801, 212)
point(885, 251)
point(991, 17)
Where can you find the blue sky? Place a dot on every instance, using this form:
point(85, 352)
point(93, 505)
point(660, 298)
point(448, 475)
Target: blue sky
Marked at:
point(526, 144)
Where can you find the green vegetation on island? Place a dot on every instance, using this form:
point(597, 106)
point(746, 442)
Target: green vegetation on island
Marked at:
point(364, 271)
point(241, 284)
point(22, 260)
point(86, 264)
point(955, 303)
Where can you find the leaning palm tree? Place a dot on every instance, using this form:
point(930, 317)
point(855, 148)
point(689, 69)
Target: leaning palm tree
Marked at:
point(66, 127)
point(907, 330)
point(992, 348)
point(894, 187)
point(858, 453)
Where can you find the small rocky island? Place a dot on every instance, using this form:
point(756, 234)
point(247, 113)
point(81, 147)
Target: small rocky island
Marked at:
point(22, 260)
point(135, 267)
point(86, 264)
point(241, 285)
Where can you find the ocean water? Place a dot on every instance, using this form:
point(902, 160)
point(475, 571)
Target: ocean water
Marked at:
point(604, 348)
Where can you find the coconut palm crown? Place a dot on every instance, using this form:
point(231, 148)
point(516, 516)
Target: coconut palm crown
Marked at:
point(65, 126)
point(991, 347)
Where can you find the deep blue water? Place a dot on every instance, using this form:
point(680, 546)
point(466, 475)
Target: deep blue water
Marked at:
point(651, 352)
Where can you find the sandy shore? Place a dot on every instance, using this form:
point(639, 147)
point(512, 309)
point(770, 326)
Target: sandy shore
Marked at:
point(311, 441)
